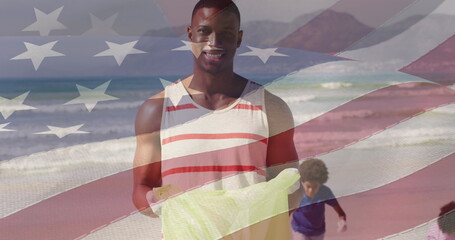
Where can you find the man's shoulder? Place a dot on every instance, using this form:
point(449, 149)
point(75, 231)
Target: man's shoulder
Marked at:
point(148, 118)
point(154, 104)
point(279, 114)
point(274, 100)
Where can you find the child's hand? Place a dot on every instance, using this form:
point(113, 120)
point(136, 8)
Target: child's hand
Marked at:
point(342, 226)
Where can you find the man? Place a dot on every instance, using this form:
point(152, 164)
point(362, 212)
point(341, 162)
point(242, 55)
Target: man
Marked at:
point(214, 129)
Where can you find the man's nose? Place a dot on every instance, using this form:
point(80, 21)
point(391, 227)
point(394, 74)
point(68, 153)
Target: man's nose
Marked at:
point(214, 40)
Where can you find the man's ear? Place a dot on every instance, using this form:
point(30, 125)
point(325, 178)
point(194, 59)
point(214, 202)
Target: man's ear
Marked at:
point(189, 33)
point(239, 39)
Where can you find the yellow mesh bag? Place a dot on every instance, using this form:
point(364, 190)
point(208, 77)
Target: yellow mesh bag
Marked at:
point(202, 214)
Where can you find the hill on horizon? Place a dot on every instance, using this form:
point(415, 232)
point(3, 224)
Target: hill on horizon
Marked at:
point(320, 35)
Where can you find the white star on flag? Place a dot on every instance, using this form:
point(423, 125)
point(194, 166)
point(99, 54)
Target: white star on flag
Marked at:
point(186, 47)
point(174, 99)
point(263, 54)
point(120, 51)
point(8, 107)
point(45, 23)
point(38, 53)
point(165, 82)
point(102, 27)
point(2, 129)
point(61, 132)
point(404, 86)
point(90, 97)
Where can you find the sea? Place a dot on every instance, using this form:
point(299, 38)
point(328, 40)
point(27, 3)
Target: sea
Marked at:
point(35, 165)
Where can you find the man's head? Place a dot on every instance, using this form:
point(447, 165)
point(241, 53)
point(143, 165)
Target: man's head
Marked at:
point(215, 34)
point(226, 5)
point(313, 173)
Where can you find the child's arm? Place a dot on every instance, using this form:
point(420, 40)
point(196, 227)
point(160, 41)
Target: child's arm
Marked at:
point(340, 212)
point(342, 227)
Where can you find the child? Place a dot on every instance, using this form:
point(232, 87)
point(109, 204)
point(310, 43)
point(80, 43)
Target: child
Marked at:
point(444, 228)
point(308, 221)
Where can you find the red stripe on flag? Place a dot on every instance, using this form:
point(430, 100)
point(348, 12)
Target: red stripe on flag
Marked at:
point(73, 213)
point(211, 136)
point(438, 65)
point(365, 116)
point(230, 168)
point(395, 207)
point(398, 206)
point(343, 24)
point(78, 211)
point(176, 17)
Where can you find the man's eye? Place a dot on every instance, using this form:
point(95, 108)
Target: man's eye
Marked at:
point(203, 31)
point(228, 35)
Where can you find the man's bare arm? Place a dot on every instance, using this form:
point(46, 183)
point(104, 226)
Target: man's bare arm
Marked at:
point(147, 158)
point(281, 152)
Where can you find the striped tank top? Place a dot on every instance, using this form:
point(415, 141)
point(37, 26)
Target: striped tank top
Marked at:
point(213, 149)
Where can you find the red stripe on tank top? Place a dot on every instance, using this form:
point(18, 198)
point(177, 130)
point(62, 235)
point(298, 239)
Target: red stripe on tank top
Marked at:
point(229, 168)
point(248, 107)
point(210, 136)
point(180, 107)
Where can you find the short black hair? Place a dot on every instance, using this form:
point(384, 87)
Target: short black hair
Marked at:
point(446, 220)
point(225, 5)
point(313, 169)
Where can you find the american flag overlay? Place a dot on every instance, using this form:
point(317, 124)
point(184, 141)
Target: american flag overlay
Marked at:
point(370, 83)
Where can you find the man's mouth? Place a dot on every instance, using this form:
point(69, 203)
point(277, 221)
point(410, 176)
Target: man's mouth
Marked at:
point(214, 55)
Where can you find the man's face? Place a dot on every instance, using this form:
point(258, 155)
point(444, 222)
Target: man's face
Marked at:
point(215, 36)
point(311, 188)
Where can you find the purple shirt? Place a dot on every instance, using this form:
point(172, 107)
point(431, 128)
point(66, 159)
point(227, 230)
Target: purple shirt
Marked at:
point(435, 233)
point(309, 218)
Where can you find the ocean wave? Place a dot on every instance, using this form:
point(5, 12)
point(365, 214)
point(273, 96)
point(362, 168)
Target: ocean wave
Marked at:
point(296, 99)
point(301, 118)
point(427, 129)
point(76, 108)
point(389, 138)
point(418, 232)
point(449, 109)
point(335, 85)
point(117, 151)
point(409, 137)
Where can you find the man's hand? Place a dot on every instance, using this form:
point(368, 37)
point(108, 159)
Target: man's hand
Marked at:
point(165, 192)
point(149, 212)
point(156, 196)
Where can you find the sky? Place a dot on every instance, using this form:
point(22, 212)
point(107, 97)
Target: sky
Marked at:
point(142, 15)
point(276, 10)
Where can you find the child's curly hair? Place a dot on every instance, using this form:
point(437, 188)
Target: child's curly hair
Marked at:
point(446, 220)
point(313, 169)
